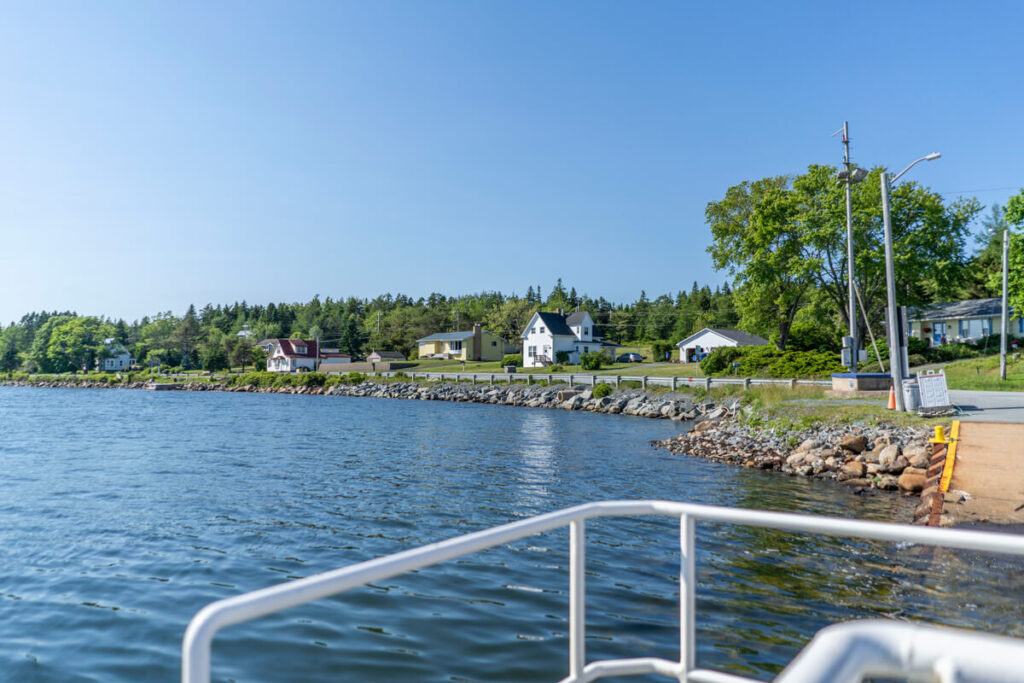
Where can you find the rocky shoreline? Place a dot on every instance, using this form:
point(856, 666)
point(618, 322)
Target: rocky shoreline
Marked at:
point(679, 407)
point(882, 457)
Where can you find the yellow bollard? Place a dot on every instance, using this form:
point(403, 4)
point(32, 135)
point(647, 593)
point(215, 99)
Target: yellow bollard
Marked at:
point(940, 435)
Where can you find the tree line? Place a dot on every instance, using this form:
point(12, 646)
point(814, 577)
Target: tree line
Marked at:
point(216, 337)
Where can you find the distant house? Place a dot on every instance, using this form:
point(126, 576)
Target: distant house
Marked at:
point(384, 357)
point(700, 344)
point(960, 321)
point(475, 344)
point(298, 355)
point(114, 357)
point(548, 334)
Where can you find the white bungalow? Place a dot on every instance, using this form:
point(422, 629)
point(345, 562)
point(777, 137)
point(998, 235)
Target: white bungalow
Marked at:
point(548, 334)
point(700, 344)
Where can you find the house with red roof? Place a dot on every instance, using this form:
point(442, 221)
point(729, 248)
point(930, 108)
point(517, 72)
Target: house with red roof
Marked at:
point(300, 355)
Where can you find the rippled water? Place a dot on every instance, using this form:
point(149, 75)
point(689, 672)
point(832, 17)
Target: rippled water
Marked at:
point(124, 512)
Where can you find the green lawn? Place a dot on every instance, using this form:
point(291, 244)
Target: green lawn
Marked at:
point(983, 374)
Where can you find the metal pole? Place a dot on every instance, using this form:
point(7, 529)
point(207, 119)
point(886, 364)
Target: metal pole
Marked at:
point(577, 599)
point(895, 366)
point(852, 303)
point(1006, 321)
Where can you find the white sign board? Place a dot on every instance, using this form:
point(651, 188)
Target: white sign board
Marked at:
point(934, 393)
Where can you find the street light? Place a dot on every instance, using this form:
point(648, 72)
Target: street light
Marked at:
point(895, 355)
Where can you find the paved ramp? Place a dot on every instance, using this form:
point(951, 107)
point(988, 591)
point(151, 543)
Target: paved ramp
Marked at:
point(988, 468)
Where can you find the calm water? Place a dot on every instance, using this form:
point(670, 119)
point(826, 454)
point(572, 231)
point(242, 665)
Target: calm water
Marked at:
point(124, 512)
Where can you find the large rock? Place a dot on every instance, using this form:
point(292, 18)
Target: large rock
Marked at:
point(911, 482)
point(795, 459)
point(888, 456)
point(808, 445)
point(897, 465)
point(853, 470)
point(918, 456)
point(887, 482)
point(855, 443)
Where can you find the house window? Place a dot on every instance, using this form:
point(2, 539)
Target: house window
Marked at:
point(531, 351)
point(586, 331)
point(542, 330)
point(455, 346)
point(494, 343)
point(986, 327)
point(300, 349)
point(962, 333)
point(586, 349)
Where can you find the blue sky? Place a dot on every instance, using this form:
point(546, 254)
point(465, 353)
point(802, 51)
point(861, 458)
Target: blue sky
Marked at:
point(154, 155)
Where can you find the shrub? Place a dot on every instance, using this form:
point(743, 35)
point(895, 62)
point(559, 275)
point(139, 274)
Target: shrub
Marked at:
point(561, 357)
point(659, 349)
point(593, 360)
point(513, 359)
point(602, 390)
point(766, 361)
point(555, 367)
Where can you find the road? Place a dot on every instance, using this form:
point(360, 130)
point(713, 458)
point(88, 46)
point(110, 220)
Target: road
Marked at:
point(989, 406)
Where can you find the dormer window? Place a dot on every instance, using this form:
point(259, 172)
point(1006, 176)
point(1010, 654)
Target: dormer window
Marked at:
point(300, 349)
point(586, 331)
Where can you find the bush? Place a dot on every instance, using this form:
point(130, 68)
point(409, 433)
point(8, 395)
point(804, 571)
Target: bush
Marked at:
point(659, 349)
point(555, 367)
point(766, 361)
point(593, 360)
point(515, 359)
point(561, 357)
point(602, 390)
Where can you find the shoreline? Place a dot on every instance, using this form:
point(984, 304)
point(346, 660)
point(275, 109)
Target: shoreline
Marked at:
point(638, 403)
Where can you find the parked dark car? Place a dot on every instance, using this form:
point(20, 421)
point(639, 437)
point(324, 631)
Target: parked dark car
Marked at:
point(629, 358)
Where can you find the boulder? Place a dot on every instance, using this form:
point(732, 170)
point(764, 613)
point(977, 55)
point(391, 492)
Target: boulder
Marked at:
point(911, 482)
point(855, 443)
point(808, 445)
point(887, 482)
point(855, 482)
point(918, 456)
point(853, 470)
point(704, 427)
point(795, 459)
point(897, 465)
point(888, 456)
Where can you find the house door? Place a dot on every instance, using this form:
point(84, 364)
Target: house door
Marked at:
point(938, 332)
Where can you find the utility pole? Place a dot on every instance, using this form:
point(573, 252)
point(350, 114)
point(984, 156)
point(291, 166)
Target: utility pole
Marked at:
point(378, 322)
point(851, 291)
point(895, 361)
point(1005, 321)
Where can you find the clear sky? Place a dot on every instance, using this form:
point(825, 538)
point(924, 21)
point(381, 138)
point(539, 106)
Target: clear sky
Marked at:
point(154, 155)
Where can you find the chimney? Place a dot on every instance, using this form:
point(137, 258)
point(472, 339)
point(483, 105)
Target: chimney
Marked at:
point(478, 341)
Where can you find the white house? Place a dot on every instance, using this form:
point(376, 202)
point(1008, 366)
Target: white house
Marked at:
point(548, 334)
point(299, 355)
point(700, 344)
point(115, 357)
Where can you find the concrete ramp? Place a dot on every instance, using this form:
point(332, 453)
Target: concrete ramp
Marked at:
point(985, 482)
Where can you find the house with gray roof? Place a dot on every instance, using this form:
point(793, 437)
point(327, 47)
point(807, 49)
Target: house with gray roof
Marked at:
point(960, 321)
point(700, 344)
point(549, 334)
point(475, 344)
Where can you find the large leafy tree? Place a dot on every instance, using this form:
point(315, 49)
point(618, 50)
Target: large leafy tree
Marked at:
point(759, 240)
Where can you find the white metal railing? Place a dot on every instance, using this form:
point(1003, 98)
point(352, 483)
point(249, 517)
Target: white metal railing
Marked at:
point(208, 621)
point(589, 379)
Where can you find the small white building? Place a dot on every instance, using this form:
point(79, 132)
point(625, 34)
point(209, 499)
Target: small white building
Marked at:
point(115, 357)
point(700, 344)
point(548, 334)
point(299, 355)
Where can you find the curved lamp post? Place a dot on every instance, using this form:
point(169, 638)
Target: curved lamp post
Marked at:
point(895, 353)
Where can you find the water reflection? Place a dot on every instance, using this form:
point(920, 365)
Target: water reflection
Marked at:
point(538, 438)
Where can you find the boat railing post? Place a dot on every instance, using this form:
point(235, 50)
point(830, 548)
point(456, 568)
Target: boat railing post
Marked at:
point(687, 595)
point(577, 599)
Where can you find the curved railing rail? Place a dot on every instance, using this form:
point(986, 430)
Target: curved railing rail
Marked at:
point(196, 648)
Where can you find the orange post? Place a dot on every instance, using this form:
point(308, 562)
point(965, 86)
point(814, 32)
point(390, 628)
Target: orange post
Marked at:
point(892, 398)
